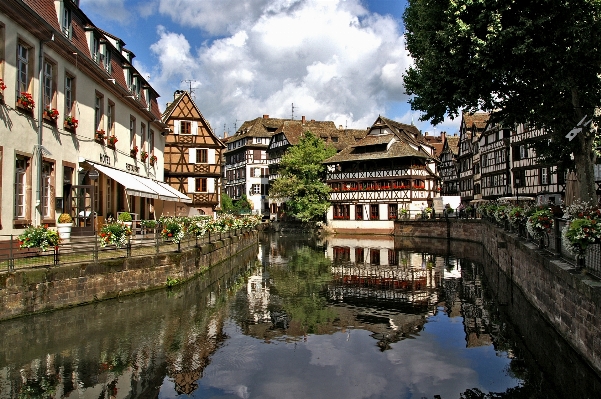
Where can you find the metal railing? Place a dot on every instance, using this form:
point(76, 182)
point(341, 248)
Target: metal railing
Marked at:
point(88, 249)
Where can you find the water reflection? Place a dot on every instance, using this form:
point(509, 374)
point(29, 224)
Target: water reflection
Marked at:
point(293, 318)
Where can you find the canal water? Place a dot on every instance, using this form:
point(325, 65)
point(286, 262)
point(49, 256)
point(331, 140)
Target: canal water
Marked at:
point(298, 317)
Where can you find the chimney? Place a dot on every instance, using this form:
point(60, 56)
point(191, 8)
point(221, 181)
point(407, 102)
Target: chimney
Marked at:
point(443, 135)
point(340, 127)
point(426, 134)
point(303, 119)
point(225, 135)
point(265, 116)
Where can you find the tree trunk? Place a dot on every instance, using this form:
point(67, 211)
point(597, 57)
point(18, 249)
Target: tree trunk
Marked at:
point(584, 161)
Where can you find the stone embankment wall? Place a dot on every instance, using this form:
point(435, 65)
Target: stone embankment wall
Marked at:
point(30, 291)
point(570, 300)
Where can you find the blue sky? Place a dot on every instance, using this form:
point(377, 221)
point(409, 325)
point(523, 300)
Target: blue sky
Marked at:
point(339, 60)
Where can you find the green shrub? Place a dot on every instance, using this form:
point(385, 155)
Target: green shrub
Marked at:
point(124, 217)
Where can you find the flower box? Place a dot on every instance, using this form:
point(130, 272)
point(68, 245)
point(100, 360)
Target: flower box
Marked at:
point(100, 136)
point(70, 123)
point(134, 151)
point(143, 156)
point(111, 141)
point(153, 160)
point(25, 102)
point(51, 114)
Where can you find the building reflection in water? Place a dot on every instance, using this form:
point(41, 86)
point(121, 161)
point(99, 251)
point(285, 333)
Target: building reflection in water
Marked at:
point(164, 341)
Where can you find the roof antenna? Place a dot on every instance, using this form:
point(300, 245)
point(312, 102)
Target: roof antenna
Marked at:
point(190, 85)
point(293, 111)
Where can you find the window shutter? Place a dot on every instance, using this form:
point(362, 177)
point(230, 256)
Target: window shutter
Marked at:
point(194, 127)
point(211, 157)
point(192, 155)
point(210, 185)
point(175, 127)
point(191, 185)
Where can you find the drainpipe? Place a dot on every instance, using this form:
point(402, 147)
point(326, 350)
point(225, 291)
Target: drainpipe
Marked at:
point(38, 200)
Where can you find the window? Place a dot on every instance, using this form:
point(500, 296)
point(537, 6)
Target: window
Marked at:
point(374, 256)
point(374, 212)
point(48, 84)
point(132, 130)
point(66, 22)
point(185, 127)
point(255, 189)
point(21, 166)
point(523, 152)
point(98, 111)
point(359, 255)
point(69, 91)
point(94, 50)
point(544, 175)
point(109, 195)
point(151, 141)
point(393, 210)
point(358, 212)
point(342, 211)
point(341, 254)
point(334, 139)
point(110, 118)
point(23, 76)
point(393, 259)
point(107, 59)
point(201, 155)
point(47, 190)
point(201, 185)
point(143, 137)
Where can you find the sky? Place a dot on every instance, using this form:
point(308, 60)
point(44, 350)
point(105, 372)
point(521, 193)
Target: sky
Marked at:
point(339, 60)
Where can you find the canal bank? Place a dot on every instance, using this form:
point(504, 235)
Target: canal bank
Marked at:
point(569, 300)
point(31, 291)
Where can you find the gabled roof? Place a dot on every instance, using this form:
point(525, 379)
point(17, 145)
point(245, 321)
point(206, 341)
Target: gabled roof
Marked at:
point(400, 140)
point(452, 143)
point(259, 127)
point(478, 120)
point(184, 97)
point(327, 131)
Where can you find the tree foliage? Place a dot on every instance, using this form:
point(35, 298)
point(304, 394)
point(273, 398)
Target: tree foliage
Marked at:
point(236, 207)
point(536, 62)
point(301, 182)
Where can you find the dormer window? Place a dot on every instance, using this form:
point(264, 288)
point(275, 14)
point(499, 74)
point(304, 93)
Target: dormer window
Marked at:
point(95, 50)
point(66, 22)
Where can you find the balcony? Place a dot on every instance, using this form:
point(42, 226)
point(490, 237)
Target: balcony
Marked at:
point(376, 174)
point(382, 195)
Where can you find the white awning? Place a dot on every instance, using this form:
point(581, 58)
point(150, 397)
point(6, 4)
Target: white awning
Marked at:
point(141, 186)
point(183, 197)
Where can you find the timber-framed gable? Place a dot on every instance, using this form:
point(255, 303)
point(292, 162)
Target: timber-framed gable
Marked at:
point(193, 154)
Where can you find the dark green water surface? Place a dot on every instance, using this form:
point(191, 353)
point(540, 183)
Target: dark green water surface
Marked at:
point(345, 317)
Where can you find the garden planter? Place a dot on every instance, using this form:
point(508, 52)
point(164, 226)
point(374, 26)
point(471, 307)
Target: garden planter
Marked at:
point(64, 230)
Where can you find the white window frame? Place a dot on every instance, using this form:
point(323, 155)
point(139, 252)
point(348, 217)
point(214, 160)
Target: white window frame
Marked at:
point(20, 206)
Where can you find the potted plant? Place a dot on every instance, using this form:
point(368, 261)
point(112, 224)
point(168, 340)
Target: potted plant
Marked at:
point(143, 156)
point(153, 160)
point(39, 237)
point(134, 151)
point(100, 135)
point(125, 218)
point(71, 122)
point(25, 101)
point(404, 213)
point(112, 140)
point(148, 225)
point(172, 230)
point(114, 233)
point(64, 225)
point(51, 114)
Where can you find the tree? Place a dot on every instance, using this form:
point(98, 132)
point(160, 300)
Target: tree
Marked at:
point(536, 62)
point(302, 175)
point(242, 205)
point(227, 205)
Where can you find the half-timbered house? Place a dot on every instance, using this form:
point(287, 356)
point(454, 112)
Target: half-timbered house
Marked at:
point(495, 164)
point(193, 156)
point(290, 134)
point(530, 176)
point(447, 168)
point(372, 181)
point(246, 168)
point(468, 154)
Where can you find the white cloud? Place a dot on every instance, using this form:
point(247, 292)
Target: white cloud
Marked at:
point(332, 59)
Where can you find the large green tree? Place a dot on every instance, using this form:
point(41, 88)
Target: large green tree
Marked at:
point(302, 175)
point(534, 61)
